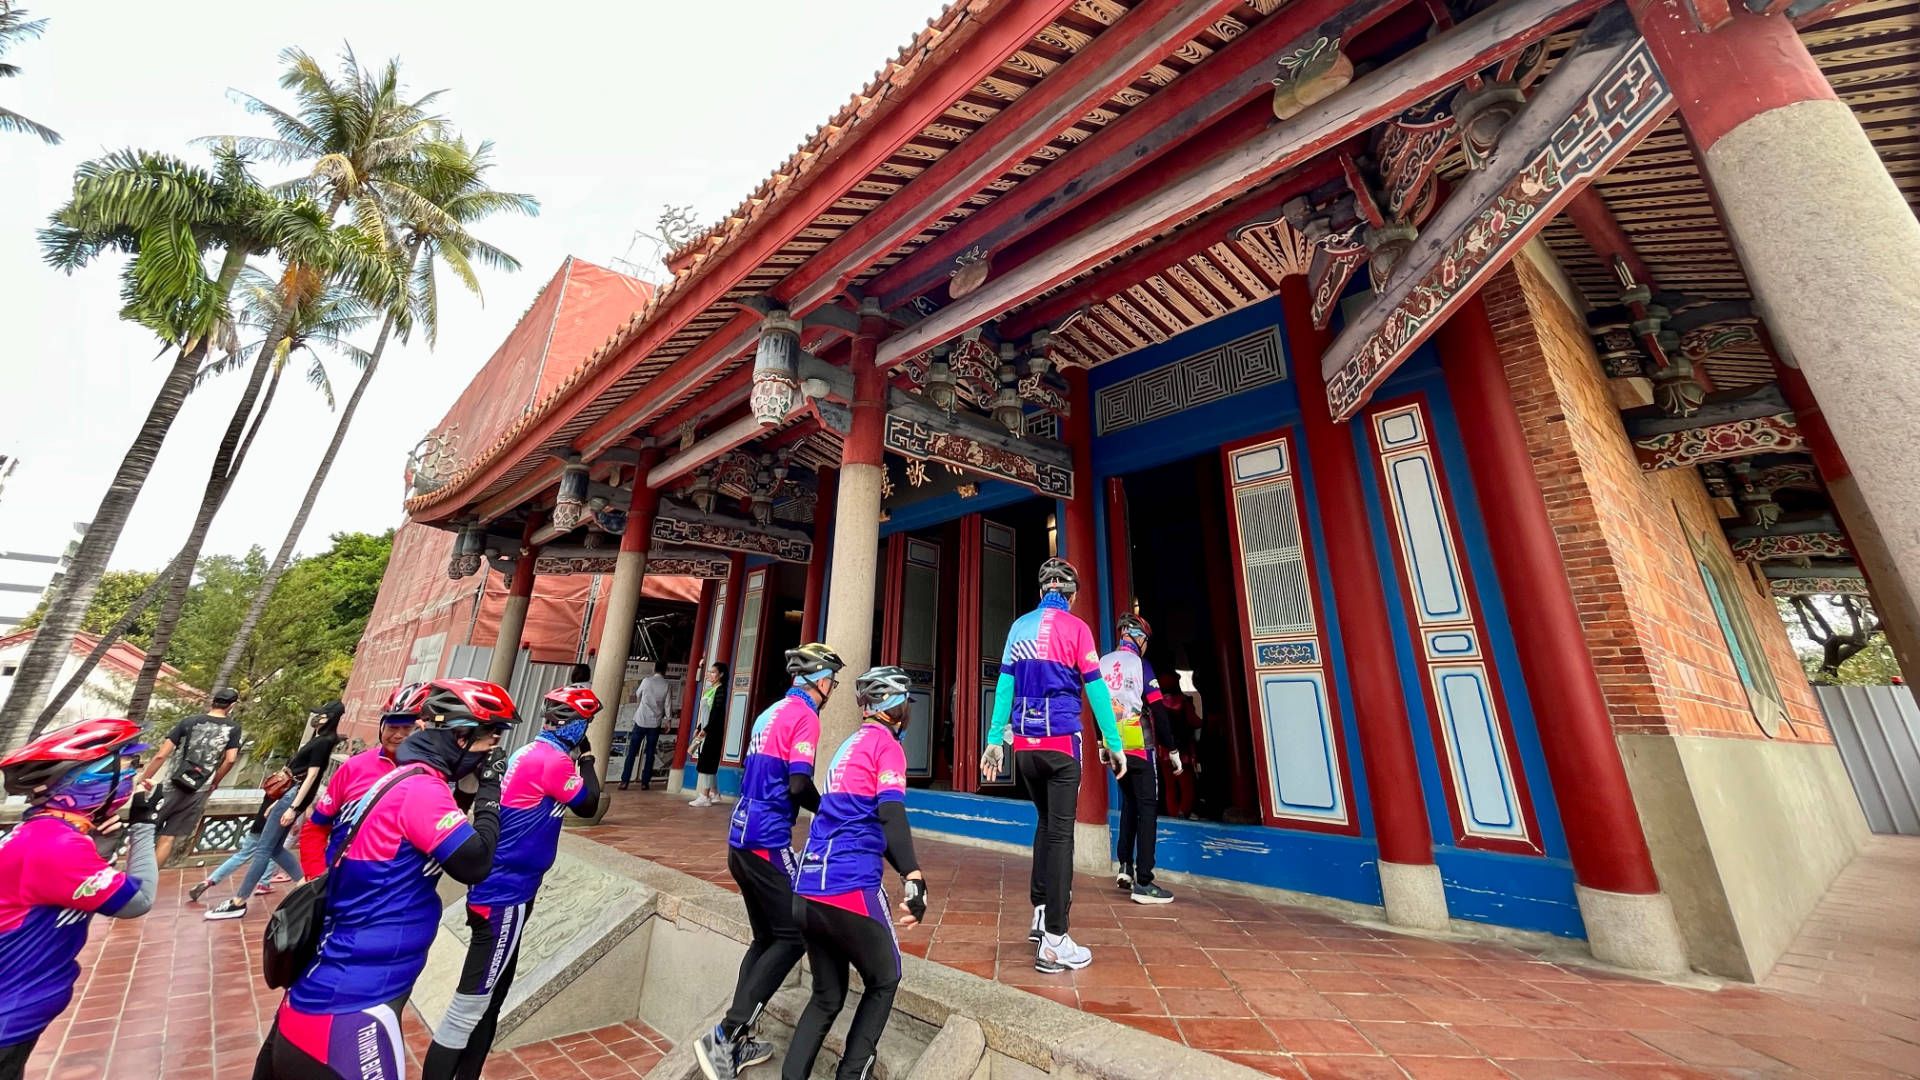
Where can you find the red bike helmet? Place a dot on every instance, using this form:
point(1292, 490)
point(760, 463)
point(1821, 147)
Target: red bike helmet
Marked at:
point(570, 703)
point(1134, 626)
point(464, 703)
point(403, 705)
point(61, 766)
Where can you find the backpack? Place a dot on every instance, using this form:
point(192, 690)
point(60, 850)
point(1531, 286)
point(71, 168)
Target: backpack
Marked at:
point(206, 745)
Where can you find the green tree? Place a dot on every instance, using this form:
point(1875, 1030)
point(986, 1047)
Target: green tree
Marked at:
point(15, 27)
point(118, 592)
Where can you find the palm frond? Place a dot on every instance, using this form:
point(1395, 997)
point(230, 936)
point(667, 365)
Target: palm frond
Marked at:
point(13, 122)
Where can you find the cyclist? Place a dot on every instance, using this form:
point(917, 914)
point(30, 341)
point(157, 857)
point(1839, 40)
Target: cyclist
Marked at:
point(52, 878)
point(545, 779)
point(776, 779)
point(1050, 660)
point(1136, 692)
point(341, 1018)
point(840, 902)
point(398, 719)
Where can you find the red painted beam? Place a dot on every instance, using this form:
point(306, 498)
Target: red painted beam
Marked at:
point(1237, 74)
point(980, 45)
point(1139, 40)
point(1588, 213)
point(708, 404)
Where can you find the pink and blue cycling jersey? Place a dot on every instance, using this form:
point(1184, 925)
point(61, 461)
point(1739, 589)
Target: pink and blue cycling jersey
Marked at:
point(382, 907)
point(1050, 660)
point(52, 880)
point(541, 785)
point(846, 845)
point(782, 745)
point(350, 781)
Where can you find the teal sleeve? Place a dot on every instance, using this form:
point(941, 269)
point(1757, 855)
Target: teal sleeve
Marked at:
point(1002, 709)
point(1103, 714)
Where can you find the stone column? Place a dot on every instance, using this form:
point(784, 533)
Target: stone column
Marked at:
point(696, 677)
point(1629, 921)
point(1828, 243)
point(623, 604)
point(513, 623)
point(856, 530)
point(1410, 885)
point(1092, 837)
point(816, 592)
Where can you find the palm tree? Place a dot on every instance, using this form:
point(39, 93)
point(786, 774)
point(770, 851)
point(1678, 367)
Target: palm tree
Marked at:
point(323, 320)
point(169, 215)
point(452, 179)
point(16, 27)
point(362, 141)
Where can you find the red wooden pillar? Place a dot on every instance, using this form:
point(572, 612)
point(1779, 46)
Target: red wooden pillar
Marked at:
point(696, 674)
point(825, 497)
point(1604, 837)
point(1079, 538)
point(1386, 738)
point(1119, 548)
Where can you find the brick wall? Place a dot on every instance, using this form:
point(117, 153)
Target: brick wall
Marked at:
point(1657, 645)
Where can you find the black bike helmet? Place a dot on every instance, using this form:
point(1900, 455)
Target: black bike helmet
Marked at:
point(1058, 575)
point(883, 694)
point(811, 659)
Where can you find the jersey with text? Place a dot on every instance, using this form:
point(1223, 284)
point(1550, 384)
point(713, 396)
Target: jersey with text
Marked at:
point(782, 745)
point(52, 880)
point(1134, 687)
point(846, 845)
point(382, 906)
point(541, 784)
point(1051, 657)
point(350, 781)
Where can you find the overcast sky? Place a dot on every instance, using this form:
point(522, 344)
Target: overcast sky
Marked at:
point(605, 112)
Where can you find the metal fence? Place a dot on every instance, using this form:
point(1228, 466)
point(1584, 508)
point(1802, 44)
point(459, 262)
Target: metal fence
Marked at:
point(1878, 731)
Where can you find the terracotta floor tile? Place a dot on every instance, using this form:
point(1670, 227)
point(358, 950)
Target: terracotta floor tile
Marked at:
point(1124, 1000)
point(1350, 1067)
point(1451, 1068)
point(1424, 1039)
point(1291, 1005)
point(1557, 1069)
point(1192, 976)
point(1703, 1049)
point(1607, 1046)
point(1456, 1010)
point(1270, 1064)
point(1203, 1034)
point(1320, 1037)
point(1376, 1007)
point(1499, 1042)
point(1192, 1002)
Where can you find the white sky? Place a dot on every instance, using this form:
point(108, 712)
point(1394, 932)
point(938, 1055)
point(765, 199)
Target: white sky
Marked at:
point(605, 112)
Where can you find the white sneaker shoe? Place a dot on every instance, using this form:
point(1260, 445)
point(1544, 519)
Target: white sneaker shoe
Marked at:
point(703, 799)
point(1058, 954)
point(1039, 928)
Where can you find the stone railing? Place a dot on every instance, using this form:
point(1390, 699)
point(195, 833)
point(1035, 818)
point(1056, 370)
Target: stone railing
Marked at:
point(218, 835)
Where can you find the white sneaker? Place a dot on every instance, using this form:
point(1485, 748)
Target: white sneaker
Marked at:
point(703, 799)
point(1058, 954)
point(1039, 928)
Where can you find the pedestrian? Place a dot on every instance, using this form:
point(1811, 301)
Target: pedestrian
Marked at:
point(307, 766)
point(544, 778)
point(650, 711)
point(1136, 697)
point(52, 878)
point(582, 675)
point(243, 855)
point(1050, 660)
point(340, 1020)
point(776, 780)
point(207, 745)
point(713, 736)
point(841, 900)
point(398, 719)
point(1180, 787)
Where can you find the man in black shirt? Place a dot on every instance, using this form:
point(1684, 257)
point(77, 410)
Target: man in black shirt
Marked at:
point(207, 746)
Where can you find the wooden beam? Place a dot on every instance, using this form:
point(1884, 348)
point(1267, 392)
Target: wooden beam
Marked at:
point(983, 42)
point(1831, 570)
point(1440, 63)
point(710, 448)
point(1732, 439)
point(1316, 64)
point(1723, 408)
point(1811, 523)
point(1237, 74)
point(1711, 14)
point(1140, 39)
point(916, 428)
point(683, 525)
point(1602, 98)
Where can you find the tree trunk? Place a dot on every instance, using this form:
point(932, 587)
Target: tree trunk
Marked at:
point(280, 559)
point(101, 648)
point(226, 464)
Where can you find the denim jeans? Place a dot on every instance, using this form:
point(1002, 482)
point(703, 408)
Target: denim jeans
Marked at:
point(271, 848)
point(640, 744)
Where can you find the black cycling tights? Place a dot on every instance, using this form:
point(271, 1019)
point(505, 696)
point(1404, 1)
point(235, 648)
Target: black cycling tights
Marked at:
point(13, 1058)
point(836, 939)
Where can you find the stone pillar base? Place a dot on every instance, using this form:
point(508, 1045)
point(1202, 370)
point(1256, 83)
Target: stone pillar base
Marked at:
point(1633, 930)
point(1413, 895)
point(676, 781)
point(1092, 849)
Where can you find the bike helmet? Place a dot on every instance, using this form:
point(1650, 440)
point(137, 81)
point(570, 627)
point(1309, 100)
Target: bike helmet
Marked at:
point(1058, 575)
point(1135, 627)
point(570, 703)
point(403, 705)
point(77, 768)
point(812, 662)
point(467, 703)
point(882, 691)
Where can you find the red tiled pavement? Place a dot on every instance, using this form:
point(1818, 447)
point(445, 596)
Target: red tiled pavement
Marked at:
point(1289, 991)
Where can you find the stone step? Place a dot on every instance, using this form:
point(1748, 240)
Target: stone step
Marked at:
point(901, 1046)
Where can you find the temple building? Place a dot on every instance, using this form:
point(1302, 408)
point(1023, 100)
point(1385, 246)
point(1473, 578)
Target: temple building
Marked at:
point(1454, 385)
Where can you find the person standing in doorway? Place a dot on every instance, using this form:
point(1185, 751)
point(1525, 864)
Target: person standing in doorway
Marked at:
point(1050, 661)
point(713, 736)
point(1136, 697)
point(776, 780)
point(309, 764)
point(650, 700)
point(207, 745)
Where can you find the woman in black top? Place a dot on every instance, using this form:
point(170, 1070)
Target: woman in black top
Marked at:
point(309, 767)
point(713, 698)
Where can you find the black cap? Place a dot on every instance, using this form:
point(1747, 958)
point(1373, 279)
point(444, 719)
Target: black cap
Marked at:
point(225, 695)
